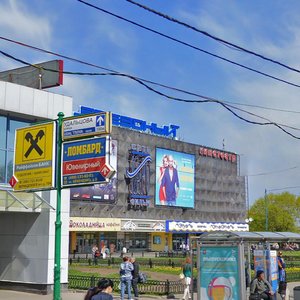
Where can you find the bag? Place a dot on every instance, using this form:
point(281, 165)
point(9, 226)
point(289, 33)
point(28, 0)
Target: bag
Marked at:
point(142, 277)
point(181, 276)
point(255, 296)
point(97, 253)
point(282, 287)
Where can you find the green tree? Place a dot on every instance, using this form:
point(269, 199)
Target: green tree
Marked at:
point(283, 210)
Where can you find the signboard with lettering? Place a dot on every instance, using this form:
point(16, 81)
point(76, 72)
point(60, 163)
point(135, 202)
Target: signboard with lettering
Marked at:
point(85, 162)
point(135, 124)
point(34, 160)
point(85, 126)
point(94, 224)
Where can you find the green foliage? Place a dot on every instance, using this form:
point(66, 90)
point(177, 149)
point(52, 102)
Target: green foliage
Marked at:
point(283, 209)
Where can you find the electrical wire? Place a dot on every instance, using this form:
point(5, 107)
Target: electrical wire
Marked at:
point(231, 45)
point(206, 100)
point(190, 45)
point(273, 172)
point(142, 79)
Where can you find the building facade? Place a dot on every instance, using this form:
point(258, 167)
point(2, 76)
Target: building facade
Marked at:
point(27, 220)
point(131, 210)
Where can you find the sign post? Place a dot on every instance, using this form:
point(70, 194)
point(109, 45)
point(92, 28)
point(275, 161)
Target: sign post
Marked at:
point(57, 250)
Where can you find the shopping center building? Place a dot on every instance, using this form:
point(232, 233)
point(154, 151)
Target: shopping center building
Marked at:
point(130, 210)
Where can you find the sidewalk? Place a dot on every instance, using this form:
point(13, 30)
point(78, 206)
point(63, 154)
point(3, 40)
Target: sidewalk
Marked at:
point(79, 295)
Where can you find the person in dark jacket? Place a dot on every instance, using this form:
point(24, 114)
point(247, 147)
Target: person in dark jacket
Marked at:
point(135, 277)
point(102, 291)
point(259, 285)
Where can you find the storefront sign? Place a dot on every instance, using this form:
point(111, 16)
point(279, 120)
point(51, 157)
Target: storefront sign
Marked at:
point(142, 225)
point(94, 224)
point(34, 158)
point(136, 124)
point(217, 154)
point(185, 226)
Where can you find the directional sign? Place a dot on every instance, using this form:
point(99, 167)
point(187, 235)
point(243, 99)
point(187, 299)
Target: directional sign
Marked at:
point(83, 160)
point(34, 159)
point(86, 125)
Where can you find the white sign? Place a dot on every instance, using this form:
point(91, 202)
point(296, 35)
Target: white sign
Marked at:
point(200, 227)
point(86, 125)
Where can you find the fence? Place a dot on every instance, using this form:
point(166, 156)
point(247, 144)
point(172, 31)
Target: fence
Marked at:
point(149, 287)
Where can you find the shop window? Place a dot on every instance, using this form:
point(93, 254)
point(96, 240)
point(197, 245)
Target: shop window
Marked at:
point(156, 240)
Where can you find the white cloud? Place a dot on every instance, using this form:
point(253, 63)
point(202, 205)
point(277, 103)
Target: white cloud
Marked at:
point(19, 22)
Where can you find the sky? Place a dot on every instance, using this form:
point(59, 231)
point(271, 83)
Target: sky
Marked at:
point(271, 28)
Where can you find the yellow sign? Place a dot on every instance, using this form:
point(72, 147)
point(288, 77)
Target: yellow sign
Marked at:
point(34, 157)
point(94, 224)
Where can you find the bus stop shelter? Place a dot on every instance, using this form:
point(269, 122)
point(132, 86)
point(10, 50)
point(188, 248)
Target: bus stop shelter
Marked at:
point(224, 261)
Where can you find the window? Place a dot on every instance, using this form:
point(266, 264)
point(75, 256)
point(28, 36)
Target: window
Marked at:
point(8, 126)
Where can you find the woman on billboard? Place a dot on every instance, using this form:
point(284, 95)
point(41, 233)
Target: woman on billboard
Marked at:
point(165, 164)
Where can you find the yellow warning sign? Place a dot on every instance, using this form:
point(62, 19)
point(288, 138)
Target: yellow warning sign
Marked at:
point(34, 157)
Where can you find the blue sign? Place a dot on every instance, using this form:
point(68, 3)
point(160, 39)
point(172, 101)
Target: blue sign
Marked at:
point(135, 124)
point(83, 161)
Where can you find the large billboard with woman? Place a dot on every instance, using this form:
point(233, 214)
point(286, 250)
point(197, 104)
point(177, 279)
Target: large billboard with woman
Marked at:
point(175, 178)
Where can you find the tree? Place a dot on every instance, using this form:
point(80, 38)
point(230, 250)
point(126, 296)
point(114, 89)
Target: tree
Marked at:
point(283, 211)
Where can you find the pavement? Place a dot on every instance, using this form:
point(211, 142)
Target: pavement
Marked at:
point(79, 295)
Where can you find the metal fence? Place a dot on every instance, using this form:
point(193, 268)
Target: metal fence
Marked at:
point(149, 287)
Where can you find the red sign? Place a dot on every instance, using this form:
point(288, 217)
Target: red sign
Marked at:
point(217, 154)
point(107, 171)
point(83, 165)
point(13, 181)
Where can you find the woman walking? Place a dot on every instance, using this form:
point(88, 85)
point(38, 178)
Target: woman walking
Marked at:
point(187, 272)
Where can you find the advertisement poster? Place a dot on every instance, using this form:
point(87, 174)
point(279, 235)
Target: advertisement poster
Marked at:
point(219, 273)
point(105, 192)
point(273, 269)
point(175, 178)
point(259, 260)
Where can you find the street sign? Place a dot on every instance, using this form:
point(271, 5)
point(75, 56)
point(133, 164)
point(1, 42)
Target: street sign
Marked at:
point(84, 161)
point(86, 126)
point(34, 159)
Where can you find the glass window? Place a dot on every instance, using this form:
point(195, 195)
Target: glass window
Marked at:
point(13, 125)
point(2, 132)
point(10, 164)
point(2, 166)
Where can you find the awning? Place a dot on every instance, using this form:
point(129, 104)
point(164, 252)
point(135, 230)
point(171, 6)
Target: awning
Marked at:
point(263, 236)
point(21, 201)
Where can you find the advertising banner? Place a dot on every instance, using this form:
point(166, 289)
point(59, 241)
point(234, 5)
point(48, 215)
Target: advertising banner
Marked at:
point(84, 162)
point(273, 269)
point(175, 178)
point(102, 192)
point(219, 273)
point(34, 159)
point(94, 224)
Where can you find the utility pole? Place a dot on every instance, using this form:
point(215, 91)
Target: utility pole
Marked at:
point(267, 210)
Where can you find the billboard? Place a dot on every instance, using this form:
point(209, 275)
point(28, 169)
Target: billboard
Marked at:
point(175, 178)
point(103, 192)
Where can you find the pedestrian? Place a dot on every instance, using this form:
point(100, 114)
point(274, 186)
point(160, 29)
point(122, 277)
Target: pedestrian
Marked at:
point(135, 277)
point(105, 287)
point(281, 267)
point(95, 253)
point(260, 287)
point(126, 268)
point(187, 272)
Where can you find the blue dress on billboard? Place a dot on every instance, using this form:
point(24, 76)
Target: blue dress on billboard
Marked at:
point(171, 186)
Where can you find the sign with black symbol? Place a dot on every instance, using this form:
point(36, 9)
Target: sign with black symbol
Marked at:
point(34, 157)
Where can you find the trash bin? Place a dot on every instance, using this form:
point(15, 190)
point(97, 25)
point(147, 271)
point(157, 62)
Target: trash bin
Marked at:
point(297, 292)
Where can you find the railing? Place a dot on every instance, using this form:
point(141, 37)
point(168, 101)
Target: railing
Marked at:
point(150, 287)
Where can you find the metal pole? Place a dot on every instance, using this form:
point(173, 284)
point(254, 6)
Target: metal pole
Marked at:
point(267, 210)
point(57, 250)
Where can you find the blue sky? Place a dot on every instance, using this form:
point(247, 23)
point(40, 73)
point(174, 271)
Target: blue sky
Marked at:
point(271, 28)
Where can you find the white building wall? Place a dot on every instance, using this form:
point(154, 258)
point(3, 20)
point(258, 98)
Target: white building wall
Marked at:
point(28, 238)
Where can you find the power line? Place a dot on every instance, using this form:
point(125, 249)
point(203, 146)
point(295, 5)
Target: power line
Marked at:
point(190, 45)
point(142, 79)
point(285, 188)
point(142, 82)
point(232, 45)
point(273, 172)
